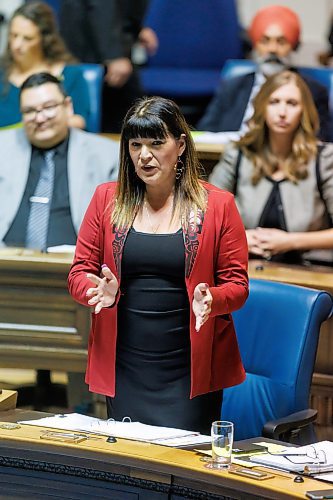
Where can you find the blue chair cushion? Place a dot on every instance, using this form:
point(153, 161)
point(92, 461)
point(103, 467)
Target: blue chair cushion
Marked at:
point(257, 400)
point(277, 330)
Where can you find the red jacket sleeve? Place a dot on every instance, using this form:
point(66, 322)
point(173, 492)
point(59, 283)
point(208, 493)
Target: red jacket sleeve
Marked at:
point(88, 256)
point(231, 278)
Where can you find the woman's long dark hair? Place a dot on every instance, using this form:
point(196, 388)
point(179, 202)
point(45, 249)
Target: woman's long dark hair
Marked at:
point(156, 117)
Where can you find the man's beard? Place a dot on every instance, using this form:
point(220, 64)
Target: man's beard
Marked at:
point(272, 64)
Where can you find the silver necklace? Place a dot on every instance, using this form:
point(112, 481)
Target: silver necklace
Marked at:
point(152, 227)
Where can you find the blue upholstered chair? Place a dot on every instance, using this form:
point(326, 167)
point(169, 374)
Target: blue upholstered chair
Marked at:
point(237, 67)
point(195, 39)
point(277, 330)
point(93, 75)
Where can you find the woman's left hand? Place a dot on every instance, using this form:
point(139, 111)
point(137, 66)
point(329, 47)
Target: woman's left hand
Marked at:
point(273, 241)
point(202, 304)
point(105, 291)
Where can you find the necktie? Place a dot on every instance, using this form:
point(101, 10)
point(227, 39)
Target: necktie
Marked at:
point(38, 221)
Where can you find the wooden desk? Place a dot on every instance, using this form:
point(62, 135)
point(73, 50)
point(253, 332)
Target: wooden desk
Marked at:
point(318, 277)
point(41, 327)
point(123, 470)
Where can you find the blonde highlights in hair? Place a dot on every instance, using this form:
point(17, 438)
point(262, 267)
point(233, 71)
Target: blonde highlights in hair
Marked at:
point(156, 117)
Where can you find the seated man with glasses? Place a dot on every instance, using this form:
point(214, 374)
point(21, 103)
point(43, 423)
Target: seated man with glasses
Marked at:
point(48, 175)
point(81, 161)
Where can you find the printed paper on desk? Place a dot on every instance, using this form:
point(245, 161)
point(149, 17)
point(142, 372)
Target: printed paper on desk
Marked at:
point(324, 476)
point(298, 459)
point(127, 430)
point(215, 137)
point(61, 249)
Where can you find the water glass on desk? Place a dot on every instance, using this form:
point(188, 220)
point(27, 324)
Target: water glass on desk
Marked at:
point(222, 433)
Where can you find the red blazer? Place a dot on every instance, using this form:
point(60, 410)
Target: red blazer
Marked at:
point(215, 253)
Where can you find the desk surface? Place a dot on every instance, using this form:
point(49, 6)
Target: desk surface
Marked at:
point(319, 277)
point(41, 326)
point(132, 464)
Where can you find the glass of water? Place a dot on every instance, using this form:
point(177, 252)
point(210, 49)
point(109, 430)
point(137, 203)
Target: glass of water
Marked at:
point(222, 433)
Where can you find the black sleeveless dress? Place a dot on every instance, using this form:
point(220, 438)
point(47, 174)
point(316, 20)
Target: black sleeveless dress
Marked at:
point(153, 345)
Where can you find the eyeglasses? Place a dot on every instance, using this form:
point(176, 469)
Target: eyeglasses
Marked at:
point(48, 111)
point(308, 456)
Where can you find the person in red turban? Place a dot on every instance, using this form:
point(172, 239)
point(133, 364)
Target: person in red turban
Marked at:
point(274, 33)
point(283, 17)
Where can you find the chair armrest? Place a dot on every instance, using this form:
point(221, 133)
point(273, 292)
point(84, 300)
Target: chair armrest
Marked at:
point(296, 427)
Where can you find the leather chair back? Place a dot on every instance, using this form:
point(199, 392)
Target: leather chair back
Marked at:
point(92, 75)
point(278, 330)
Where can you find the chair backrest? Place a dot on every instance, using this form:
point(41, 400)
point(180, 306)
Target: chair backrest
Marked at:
point(194, 37)
point(278, 331)
point(238, 67)
point(93, 75)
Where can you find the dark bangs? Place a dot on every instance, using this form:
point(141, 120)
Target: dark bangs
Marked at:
point(146, 126)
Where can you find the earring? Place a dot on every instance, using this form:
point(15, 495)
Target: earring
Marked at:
point(179, 168)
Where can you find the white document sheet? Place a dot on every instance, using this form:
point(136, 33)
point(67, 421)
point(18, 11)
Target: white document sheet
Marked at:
point(126, 429)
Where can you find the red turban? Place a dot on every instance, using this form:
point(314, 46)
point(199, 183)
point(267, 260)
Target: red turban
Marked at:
point(287, 19)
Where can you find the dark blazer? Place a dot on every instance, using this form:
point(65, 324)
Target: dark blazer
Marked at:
point(226, 110)
point(99, 30)
point(215, 253)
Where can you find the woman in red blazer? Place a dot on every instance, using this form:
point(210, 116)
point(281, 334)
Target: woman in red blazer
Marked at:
point(167, 257)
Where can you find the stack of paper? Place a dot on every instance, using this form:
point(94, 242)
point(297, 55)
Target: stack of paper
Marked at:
point(126, 429)
point(215, 137)
point(300, 459)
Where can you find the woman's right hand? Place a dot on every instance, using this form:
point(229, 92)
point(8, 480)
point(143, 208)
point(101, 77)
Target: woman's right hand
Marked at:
point(105, 291)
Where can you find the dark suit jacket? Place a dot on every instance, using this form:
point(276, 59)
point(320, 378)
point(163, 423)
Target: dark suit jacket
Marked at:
point(226, 110)
point(99, 30)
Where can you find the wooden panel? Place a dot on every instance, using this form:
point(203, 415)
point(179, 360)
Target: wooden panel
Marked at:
point(41, 326)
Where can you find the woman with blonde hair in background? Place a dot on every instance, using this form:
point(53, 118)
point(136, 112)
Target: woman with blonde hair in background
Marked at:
point(282, 177)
